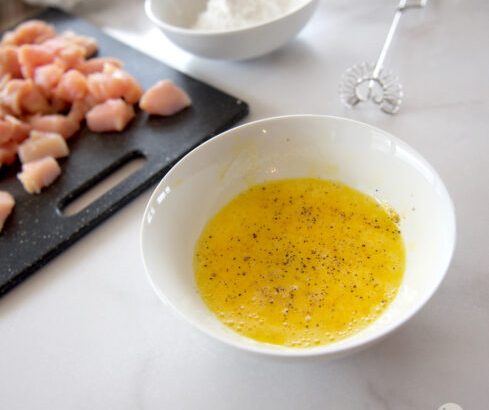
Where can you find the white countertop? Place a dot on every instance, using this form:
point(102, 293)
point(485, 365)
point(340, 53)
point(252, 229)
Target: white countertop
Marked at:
point(88, 332)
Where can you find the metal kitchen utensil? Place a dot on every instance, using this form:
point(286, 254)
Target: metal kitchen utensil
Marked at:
point(367, 81)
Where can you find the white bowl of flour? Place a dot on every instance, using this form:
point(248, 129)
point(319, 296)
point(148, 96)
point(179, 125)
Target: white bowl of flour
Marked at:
point(230, 29)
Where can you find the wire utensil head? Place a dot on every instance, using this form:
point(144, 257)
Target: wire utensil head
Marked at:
point(372, 82)
point(359, 84)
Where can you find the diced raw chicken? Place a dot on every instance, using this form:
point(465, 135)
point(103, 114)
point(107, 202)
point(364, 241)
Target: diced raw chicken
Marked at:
point(20, 130)
point(47, 77)
point(72, 86)
point(58, 104)
point(132, 90)
point(8, 153)
point(32, 56)
point(87, 43)
point(102, 87)
point(23, 96)
point(30, 32)
point(11, 95)
point(112, 115)
point(71, 56)
point(6, 131)
point(33, 99)
point(67, 39)
point(4, 81)
point(112, 84)
point(80, 107)
point(7, 203)
point(38, 174)
point(44, 75)
point(42, 144)
point(12, 129)
point(9, 62)
point(96, 65)
point(62, 124)
point(164, 98)
point(55, 44)
point(66, 53)
point(4, 111)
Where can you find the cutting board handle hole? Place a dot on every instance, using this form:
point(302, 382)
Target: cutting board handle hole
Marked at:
point(83, 196)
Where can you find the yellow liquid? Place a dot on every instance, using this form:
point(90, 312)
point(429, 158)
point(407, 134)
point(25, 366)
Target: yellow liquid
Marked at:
point(300, 262)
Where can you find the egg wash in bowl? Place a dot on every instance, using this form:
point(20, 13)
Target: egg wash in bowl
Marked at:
point(292, 156)
point(300, 262)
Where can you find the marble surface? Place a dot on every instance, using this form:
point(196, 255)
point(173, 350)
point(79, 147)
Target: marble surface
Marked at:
point(87, 331)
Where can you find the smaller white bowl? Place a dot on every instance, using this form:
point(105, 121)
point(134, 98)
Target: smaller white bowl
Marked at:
point(174, 18)
point(357, 154)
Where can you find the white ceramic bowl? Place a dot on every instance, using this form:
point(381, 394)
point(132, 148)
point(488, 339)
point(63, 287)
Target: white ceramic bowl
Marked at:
point(357, 154)
point(174, 17)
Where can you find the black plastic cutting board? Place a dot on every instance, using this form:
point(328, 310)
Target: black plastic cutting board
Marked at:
point(37, 231)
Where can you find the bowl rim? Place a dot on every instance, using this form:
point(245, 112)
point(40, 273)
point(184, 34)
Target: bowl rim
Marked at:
point(326, 349)
point(148, 8)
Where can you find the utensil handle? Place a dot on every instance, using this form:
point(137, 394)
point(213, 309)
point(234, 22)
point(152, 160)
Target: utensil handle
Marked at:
point(403, 5)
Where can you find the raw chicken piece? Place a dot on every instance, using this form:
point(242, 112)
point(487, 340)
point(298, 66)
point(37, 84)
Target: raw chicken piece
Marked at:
point(8, 153)
point(71, 56)
point(11, 95)
point(58, 105)
point(38, 174)
point(62, 124)
point(23, 95)
point(12, 129)
point(96, 65)
point(66, 53)
point(4, 81)
point(114, 83)
point(55, 44)
point(72, 86)
point(87, 43)
point(32, 56)
point(164, 98)
point(4, 111)
point(47, 77)
point(30, 32)
point(33, 99)
point(7, 203)
point(112, 115)
point(132, 89)
point(103, 87)
point(20, 130)
point(9, 62)
point(6, 131)
point(80, 107)
point(42, 144)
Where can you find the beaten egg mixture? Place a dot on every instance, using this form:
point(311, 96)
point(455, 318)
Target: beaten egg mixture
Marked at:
point(300, 262)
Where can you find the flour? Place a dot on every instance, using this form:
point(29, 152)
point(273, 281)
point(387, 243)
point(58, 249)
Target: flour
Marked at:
point(235, 14)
